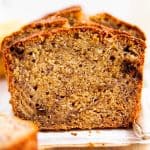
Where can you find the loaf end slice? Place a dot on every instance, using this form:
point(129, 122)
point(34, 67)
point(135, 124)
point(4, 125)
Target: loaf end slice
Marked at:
point(113, 22)
point(17, 134)
point(81, 78)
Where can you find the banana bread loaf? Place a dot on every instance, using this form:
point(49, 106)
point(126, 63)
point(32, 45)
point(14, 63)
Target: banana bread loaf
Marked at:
point(73, 14)
point(115, 23)
point(16, 134)
point(81, 78)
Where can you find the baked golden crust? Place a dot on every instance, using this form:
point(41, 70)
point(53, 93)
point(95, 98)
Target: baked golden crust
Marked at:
point(48, 116)
point(1, 67)
point(73, 14)
point(17, 134)
point(113, 22)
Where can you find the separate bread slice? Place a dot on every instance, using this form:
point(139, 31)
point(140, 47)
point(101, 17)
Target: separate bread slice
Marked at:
point(115, 23)
point(81, 78)
point(16, 134)
point(53, 20)
point(73, 14)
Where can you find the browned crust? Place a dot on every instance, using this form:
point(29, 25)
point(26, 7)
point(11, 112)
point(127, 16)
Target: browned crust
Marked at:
point(44, 22)
point(47, 22)
point(92, 24)
point(38, 37)
point(68, 10)
point(101, 30)
point(2, 71)
point(100, 26)
point(118, 21)
point(26, 142)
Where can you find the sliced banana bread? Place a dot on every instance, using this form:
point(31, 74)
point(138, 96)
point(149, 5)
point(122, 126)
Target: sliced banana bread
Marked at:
point(73, 14)
point(81, 77)
point(16, 134)
point(115, 23)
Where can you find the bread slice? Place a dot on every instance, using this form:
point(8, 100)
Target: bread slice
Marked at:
point(115, 23)
point(33, 27)
point(73, 14)
point(16, 134)
point(81, 78)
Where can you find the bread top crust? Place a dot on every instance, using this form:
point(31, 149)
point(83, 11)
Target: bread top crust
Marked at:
point(119, 22)
point(43, 23)
point(100, 26)
point(23, 130)
point(99, 30)
point(47, 22)
point(92, 24)
point(73, 14)
point(68, 10)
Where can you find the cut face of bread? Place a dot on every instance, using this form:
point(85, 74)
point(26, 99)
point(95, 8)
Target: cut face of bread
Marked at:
point(113, 22)
point(81, 77)
point(36, 26)
point(73, 14)
point(16, 134)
